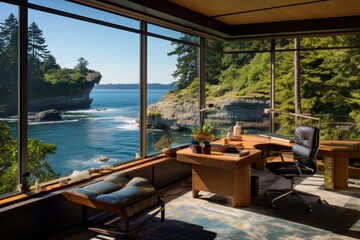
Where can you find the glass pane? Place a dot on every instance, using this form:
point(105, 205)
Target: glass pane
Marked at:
point(171, 110)
point(328, 88)
point(172, 33)
point(88, 12)
point(238, 86)
point(259, 45)
point(8, 98)
point(284, 43)
point(90, 127)
point(330, 85)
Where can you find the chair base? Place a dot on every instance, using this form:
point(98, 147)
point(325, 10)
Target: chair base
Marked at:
point(293, 192)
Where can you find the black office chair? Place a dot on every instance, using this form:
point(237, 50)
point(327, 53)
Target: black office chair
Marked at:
point(304, 153)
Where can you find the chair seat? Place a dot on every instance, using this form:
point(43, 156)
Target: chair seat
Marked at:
point(286, 168)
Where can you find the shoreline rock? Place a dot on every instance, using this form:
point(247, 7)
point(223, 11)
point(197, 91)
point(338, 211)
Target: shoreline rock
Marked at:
point(47, 115)
point(226, 112)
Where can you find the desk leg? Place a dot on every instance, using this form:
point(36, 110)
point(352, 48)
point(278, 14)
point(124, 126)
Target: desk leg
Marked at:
point(260, 163)
point(336, 173)
point(328, 173)
point(341, 173)
point(241, 193)
point(195, 193)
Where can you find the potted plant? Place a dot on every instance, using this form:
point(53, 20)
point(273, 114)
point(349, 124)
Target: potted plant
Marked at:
point(164, 143)
point(203, 134)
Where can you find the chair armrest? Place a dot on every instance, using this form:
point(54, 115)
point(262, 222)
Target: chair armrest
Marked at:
point(302, 165)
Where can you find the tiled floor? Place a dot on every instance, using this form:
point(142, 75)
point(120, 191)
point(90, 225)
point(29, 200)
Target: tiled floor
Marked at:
point(210, 217)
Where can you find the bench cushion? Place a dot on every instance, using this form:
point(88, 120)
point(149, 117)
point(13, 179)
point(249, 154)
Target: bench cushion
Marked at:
point(117, 191)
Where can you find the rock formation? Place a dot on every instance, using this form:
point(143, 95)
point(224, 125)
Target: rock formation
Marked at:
point(226, 112)
point(48, 115)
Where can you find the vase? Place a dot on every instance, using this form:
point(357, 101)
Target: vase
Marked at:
point(206, 148)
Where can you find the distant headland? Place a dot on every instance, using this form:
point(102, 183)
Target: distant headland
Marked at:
point(134, 86)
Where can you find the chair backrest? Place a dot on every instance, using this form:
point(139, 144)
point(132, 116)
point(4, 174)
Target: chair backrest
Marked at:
point(307, 140)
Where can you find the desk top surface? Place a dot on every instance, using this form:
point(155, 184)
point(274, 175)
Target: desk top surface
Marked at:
point(216, 159)
point(327, 148)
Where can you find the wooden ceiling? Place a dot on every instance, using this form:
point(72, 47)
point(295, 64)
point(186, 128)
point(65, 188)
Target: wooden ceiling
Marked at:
point(245, 19)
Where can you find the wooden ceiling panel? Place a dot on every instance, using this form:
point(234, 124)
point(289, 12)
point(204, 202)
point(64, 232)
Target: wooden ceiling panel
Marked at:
point(234, 12)
point(243, 19)
point(217, 7)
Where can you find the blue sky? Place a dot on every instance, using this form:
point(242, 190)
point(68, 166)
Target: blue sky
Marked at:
point(114, 53)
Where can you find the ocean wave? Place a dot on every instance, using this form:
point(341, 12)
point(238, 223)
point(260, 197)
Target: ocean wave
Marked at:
point(74, 116)
point(52, 122)
point(8, 119)
point(92, 110)
point(128, 124)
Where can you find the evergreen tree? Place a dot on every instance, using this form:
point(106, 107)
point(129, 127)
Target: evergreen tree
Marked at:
point(37, 52)
point(81, 67)
point(187, 62)
point(213, 66)
point(49, 64)
point(8, 62)
point(36, 43)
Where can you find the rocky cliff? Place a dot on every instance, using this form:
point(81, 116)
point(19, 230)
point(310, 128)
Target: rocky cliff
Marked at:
point(79, 99)
point(73, 98)
point(184, 114)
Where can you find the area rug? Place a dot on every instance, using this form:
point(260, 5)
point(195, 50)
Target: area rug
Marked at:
point(210, 217)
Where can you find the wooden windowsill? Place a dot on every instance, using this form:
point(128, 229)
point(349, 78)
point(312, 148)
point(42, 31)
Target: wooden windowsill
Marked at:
point(53, 188)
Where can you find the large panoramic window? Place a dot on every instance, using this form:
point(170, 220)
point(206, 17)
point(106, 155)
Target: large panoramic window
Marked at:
point(237, 87)
point(8, 98)
point(169, 122)
point(82, 10)
point(77, 124)
point(320, 85)
point(330, 84)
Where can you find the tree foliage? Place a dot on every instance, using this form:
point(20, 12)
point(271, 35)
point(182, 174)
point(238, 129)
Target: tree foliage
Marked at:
point(37, 164)
point(329, 80)
point(46, 78)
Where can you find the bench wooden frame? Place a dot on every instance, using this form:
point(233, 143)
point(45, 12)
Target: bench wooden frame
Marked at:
point(128, 212)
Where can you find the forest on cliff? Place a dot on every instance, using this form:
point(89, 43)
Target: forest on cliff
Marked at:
point(46, 77)
point(329, 78)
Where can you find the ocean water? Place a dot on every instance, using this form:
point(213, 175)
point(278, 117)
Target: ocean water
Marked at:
point(108, 128)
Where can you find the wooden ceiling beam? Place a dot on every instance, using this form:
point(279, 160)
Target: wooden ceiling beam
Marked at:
point(297, 28)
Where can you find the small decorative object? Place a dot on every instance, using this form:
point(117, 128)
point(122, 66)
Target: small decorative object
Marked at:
point(79, 175)
point(225, 141)
point(196, 148)
point(206, 148)
point(203, 133)
point(237, 129)
point(193, 142)
point(37, 186)
point(63, 182)
point(165, 142)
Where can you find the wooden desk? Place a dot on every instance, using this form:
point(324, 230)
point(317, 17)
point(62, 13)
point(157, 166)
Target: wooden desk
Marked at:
point(228, 176)
point(336, 156)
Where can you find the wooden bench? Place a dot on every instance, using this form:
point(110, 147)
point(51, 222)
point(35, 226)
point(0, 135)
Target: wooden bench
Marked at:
point(127, 198)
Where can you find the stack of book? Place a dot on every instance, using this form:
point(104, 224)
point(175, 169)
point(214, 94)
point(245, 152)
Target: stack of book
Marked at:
point(235, 152)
